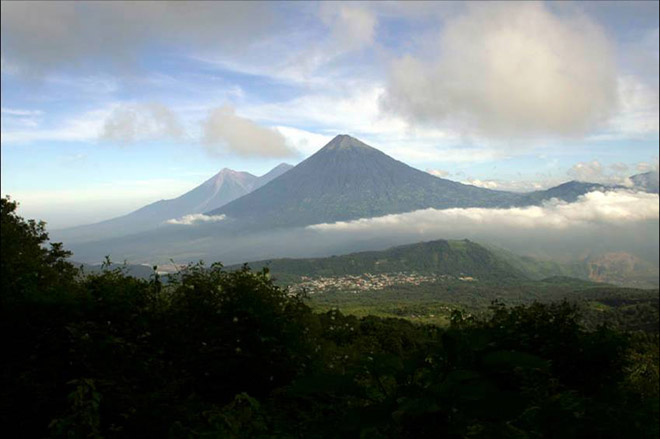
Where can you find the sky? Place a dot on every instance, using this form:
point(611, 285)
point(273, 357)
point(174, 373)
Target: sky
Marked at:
point(108, 106)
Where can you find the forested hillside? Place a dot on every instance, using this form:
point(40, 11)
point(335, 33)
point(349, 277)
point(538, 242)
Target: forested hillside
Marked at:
point(228, 354)
point(441, 257)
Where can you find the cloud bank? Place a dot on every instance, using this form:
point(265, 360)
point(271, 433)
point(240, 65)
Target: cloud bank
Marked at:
point(225, 129)
point(195, 218)
point(595, 208)
point(598, 222)
point(510, 70)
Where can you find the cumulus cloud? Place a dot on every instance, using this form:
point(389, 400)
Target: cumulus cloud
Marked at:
point(224, 128)
point(195, 218)
point(509, 70)
point(595, 172)
point(647, 166)
point(135, 122)
point(619, 167)
point(41, 36)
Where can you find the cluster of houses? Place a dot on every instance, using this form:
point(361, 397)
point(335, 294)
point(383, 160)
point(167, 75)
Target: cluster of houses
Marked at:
point(368, 282)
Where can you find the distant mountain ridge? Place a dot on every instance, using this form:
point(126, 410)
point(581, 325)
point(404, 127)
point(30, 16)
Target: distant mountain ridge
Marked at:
point(343, 181)
point(225, 186)
point(647, 181)
point(348, 179)
point(569, 192)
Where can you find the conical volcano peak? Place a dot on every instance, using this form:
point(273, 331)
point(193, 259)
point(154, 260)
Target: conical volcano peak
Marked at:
point(345, 142)
point(227, 171)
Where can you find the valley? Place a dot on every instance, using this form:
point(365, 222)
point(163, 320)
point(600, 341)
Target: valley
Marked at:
point(292, 211)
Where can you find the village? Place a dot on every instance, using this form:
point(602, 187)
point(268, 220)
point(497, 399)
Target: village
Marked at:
point(369, 282)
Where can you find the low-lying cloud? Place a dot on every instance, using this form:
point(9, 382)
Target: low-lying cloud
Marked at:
point(598, 223)
point(606, 208)
point(615, 221)
point(194, 219)
point(439, 173)
point(224, 130)
point(510, 70)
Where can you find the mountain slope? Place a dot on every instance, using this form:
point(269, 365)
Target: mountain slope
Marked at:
point(348, 179)
point(227, 185)
point(538, 269)
point(457, 258)
point(569, 191)
point(648, 181)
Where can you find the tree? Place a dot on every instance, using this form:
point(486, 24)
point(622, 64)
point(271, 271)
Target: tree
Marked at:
point(27, 264)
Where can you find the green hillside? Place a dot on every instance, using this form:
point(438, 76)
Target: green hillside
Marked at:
point(454, 258)
point(538, 268)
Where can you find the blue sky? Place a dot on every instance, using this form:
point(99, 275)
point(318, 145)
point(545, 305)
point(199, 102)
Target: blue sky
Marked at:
point(109, 106)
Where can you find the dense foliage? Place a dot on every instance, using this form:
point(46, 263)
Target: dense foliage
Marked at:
point(218, 354)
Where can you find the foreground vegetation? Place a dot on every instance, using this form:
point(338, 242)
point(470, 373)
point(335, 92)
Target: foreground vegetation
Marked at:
point(624, 309)
point(229, 354)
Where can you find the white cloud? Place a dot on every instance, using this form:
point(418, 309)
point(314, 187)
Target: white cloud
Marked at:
point(638, 114)
point(439, 172)
point(85, 127)
point(512, 185)
point(17, 119)
point(647, 166)
point(353, 25)
point(304, 141)
point(130, 123)
point(595, 208)
point(195, 218)
point(619, 167)
point(224, 128)
point(20, 112)
point(595, 172)
point(356, 111)
point(509, 70)
point(488, 184)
